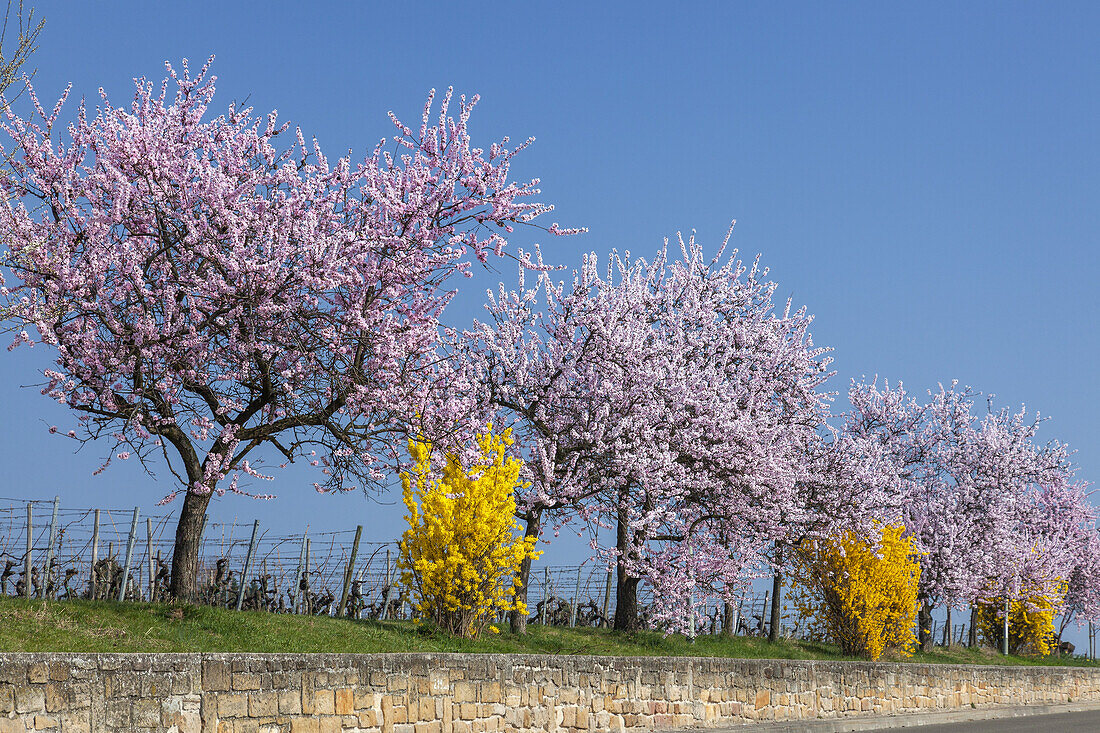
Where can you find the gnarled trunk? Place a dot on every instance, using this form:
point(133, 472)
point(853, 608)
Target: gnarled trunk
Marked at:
point(185, 556)
point(777, 601)
point(924, 624)
point(517, 620)
point(626, 587)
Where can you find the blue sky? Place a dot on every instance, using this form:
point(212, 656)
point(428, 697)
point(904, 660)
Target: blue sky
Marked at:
point(924, 177)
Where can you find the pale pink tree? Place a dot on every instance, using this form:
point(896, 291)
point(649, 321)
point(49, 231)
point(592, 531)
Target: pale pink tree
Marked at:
point(213, 284)
point(667, 400)
point(995, 513)
point(1082, 600)
point(557, 363)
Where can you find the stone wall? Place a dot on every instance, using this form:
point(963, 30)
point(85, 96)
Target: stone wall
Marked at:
point(452, 693)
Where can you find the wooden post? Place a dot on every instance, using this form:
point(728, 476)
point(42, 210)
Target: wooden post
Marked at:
point(247, 563)
point(296, 585)
point(129, 555)
point(202, 536)
point(149, 557)
point(27, 557)
point(389, 586)
point(47, 573)
point(305, 591)
point(95, 553)
point(607, 598)
point(349, 571)
point(576, 599)
point(545, 593)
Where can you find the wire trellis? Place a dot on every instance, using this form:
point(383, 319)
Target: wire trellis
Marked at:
point(82, 553)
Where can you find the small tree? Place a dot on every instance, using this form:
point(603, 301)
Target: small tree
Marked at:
point(460, 556)
point(860, 594)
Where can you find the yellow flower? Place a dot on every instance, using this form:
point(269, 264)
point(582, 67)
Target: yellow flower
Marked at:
point(860, 594)
point(460, 556)
point(1030, 620)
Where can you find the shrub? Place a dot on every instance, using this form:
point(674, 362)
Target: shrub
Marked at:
point(860, 594)
point(1030, 622)
point(460, 554)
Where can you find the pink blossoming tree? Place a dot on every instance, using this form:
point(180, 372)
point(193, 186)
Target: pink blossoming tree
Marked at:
point(666, 400)
point(212, 287)
point(994, 513)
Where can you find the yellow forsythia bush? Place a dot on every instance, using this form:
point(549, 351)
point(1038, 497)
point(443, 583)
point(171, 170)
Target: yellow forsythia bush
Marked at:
point(461, 553)
point(1030, 622)
point(858, 594)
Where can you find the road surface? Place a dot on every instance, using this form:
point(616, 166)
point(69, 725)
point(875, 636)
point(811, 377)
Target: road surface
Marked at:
point(1088, 722)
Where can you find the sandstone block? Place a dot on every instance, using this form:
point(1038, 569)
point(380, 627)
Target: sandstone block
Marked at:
point(305, 725)
point(244, 681)
point(30, 699)
point(344, 702)
point(290, 702)
point(330, 724)
point(324, 702)
point(216, 676)
point(263, 704)
point(145, 714)
point(232, 705)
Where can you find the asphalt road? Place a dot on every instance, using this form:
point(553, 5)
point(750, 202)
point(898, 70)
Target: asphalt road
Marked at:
point(1088, 722)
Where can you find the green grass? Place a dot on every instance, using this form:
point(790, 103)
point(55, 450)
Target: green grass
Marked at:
point(85, 626)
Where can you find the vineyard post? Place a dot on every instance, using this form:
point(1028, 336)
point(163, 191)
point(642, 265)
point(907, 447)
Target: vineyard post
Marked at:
point(389, 586)
point(1005, 644)
point(349, 571)
point(47, 574)
point(545, 593)
point(305, 590)
point(27, 557)
point(129, 556)
point(247, 563)
point(95, 554)
point(576, 599)
point(607, 598)
point(691, 616)
point(296, 586)
point(149, 557)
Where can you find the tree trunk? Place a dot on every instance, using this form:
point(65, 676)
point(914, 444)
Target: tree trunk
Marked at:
point(973, 636)
point(727, 619)
point(626, 602)
point(777, 607)
point(924, 625)
point(517, 620)
point(626, 587)
point(185, 557)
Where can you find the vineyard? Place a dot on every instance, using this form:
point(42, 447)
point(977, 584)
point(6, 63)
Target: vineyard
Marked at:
point(124, 555)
